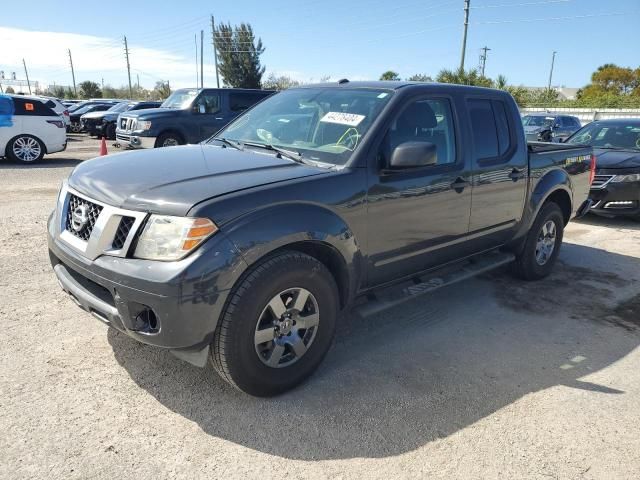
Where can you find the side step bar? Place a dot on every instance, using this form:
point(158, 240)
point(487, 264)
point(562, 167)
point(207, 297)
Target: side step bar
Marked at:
point(383, 299)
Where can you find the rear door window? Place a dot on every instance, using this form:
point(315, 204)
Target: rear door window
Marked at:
point(485, 131)
point(34, 108)
point(240, 101)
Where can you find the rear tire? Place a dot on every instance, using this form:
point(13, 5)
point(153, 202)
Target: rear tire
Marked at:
point(169, 140)
point(542, 246)
point(277, 325)
point(25, 149)
point(110, 131)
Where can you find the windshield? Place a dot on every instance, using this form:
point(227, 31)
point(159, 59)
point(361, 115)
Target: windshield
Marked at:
point(608, 135)
point(536, 121)
point(76, 106)
point(119, 107)
point(321, 124)
point(180, 99)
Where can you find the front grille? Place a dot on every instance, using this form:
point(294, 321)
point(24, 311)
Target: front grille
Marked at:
point(599, 181)
point(127, 124)
point(123, 232)
point(91, 211)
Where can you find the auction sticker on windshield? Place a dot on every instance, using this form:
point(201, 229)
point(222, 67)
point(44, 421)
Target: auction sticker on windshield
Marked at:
point(343, 118)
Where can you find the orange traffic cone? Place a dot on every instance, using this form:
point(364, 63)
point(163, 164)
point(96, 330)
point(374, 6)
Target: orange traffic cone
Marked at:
point(103, 147)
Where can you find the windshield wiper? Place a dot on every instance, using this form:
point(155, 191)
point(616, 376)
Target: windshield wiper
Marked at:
point(291, 155)
point(231, 143)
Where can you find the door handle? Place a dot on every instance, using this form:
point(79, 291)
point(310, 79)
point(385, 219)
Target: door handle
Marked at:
point(516, 174)
point(459, 184)
point(219, 118)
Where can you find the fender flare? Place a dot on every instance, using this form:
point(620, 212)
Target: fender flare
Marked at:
point(298, 226)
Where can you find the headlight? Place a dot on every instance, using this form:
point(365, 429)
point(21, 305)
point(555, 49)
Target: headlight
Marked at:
point(172, 238)
point(634, 177)
point(145, 125)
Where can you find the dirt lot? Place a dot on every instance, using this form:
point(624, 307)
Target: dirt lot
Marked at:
point(492, 378)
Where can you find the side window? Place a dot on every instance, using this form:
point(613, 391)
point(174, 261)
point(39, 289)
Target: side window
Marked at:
point(26, 106)
point(485, 132)
point(425, 120)
point(241, 101)
point(208, 103)
point(502, 124)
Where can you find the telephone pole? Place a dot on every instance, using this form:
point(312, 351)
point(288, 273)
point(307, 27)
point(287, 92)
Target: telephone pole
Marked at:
point(483, 59)
point(27, 75)
point(201, 58)
point(195, 42)
point(73, 74)
point(553, 60)
point(464, 34)
point(215, 53)
point(126, 54)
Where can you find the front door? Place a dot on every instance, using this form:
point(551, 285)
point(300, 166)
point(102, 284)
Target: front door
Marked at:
point(500, 171)
point(207, 115)
point(417, 217)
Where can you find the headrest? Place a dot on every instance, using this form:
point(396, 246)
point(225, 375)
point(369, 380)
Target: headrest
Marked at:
point(417, 115)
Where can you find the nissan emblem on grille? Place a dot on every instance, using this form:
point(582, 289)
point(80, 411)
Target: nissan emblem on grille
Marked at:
point(79, 217)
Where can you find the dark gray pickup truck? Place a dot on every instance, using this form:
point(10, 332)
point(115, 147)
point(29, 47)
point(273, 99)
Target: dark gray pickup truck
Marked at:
point(245, 249)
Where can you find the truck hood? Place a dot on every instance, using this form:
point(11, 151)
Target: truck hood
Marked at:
point(99, 114)
point(617, 158)
point(171, 180)
point(150, 113)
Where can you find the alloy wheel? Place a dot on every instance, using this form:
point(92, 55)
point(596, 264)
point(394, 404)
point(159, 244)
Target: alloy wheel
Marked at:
point(546, 243)
point(27, 149)
point(287, 327)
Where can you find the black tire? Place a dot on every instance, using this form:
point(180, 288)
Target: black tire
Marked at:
point(110, 131)
point(234, 351)
point(527, 265)
point(25, 149)
point(169, 139)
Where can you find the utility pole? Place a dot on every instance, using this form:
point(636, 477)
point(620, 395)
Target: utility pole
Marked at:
point(101, 83)
point(126, 54)
point(464, 34)
point(215, 53)
point(483, 59)
point(195, 42)
point(553, 60)
point(138, 80)
point(27, 75)
point(73, 74)
point(201, 58)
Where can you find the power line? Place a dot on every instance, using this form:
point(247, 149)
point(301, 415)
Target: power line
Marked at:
point(525, 4)
point(551, 19)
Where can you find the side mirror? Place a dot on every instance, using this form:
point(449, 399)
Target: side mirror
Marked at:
point(414, 154)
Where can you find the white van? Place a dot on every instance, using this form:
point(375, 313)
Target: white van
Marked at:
point(29, 129)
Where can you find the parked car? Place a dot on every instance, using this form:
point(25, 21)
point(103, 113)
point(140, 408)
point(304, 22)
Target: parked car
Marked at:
point(76, 125)
point(105, 122)
point(90, 121)
point(70, 103)
point(616, 144)
point(189, 115)
point(245, 248)
point(54, 104)
point(29, 129)
point(549, 127)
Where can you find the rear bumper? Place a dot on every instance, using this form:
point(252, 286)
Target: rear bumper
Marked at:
point(135, 141)
point(617, 198)
point(174, 305)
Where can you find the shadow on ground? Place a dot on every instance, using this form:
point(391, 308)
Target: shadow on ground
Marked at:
point(611, 222)
point(46, 162)
point(424, 371)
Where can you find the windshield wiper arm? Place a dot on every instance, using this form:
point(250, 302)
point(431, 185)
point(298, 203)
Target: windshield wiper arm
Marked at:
point(291, 155)
point(231, 143)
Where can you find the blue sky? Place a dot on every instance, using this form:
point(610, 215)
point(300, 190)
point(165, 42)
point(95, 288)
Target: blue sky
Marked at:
point(308, 39)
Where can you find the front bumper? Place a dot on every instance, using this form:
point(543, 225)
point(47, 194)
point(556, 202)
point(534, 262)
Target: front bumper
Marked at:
point(135, 141)
point(616, 198)
point(174, 305)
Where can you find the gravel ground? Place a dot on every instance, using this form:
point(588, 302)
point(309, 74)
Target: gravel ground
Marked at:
point(492, 378)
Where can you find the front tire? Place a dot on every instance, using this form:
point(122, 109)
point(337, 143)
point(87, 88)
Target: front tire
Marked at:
point(25, 149)
point(542, 246)
point(169, 140)
point(277, 325)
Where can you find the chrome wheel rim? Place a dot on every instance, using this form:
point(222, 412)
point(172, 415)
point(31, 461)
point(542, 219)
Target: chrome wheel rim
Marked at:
point(546, 243)
point(75, 127)
point(170, 142)
point(287, 327)
point(27, 149)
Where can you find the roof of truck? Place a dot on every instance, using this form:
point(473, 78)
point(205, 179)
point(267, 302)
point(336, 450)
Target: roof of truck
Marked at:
point(391, 85)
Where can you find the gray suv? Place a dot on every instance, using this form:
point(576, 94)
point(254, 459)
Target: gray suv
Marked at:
point(542, 127)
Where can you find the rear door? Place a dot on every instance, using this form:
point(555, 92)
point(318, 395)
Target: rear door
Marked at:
point(418, 217)
point(500, 169)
